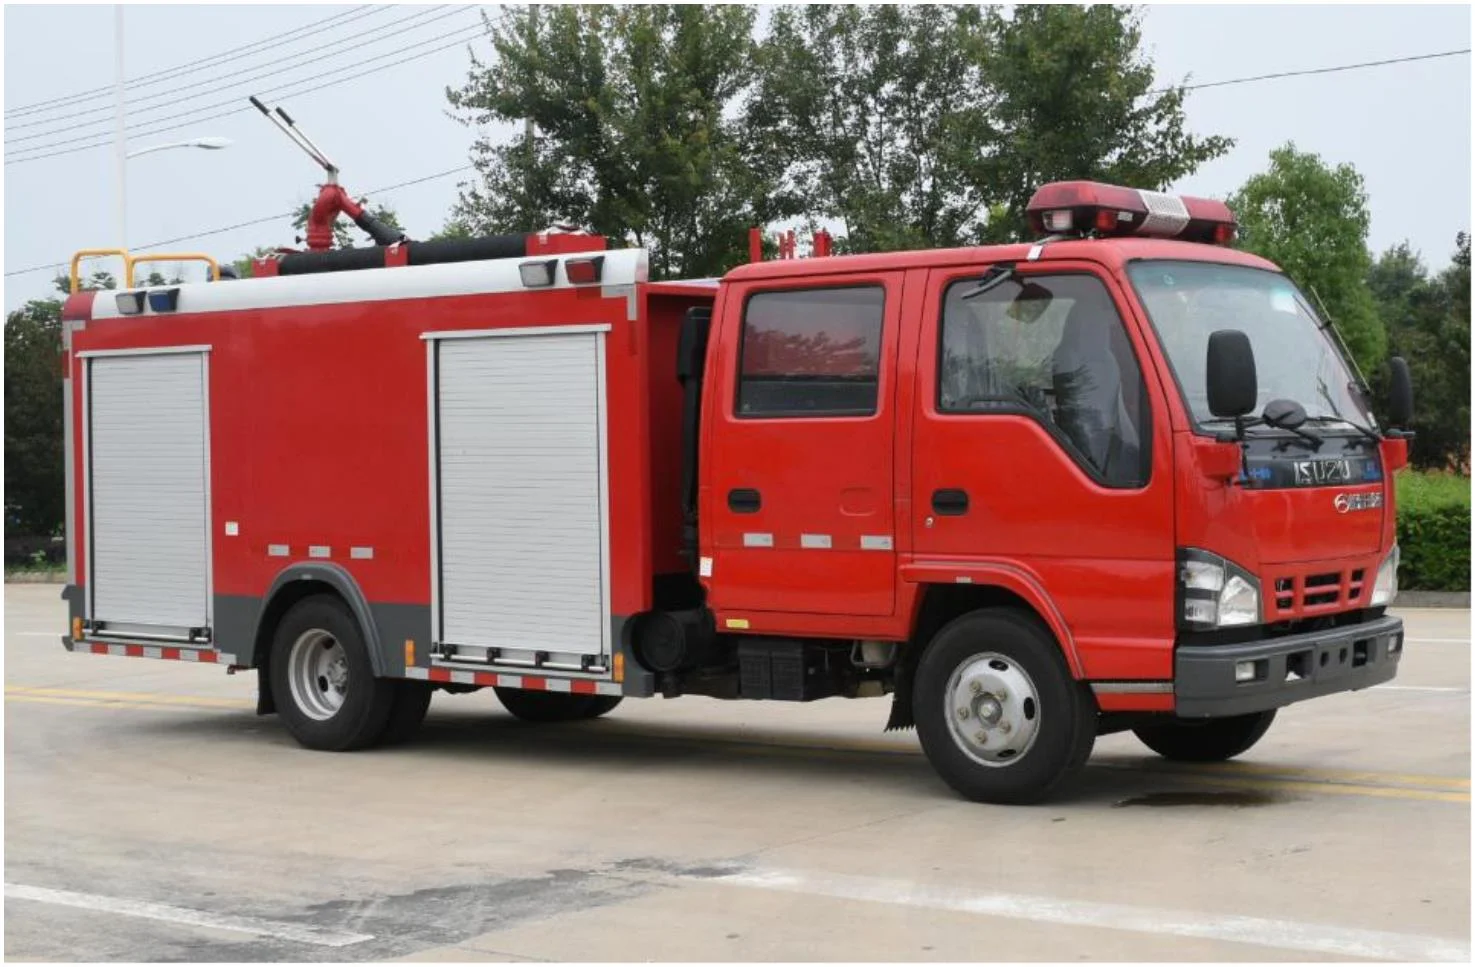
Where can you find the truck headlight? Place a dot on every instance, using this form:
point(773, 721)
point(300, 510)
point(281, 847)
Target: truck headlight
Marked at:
point(1215, 593)
point(1385, 588)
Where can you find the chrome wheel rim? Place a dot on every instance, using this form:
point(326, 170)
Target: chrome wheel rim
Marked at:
point(993, 709)
point(317, 671)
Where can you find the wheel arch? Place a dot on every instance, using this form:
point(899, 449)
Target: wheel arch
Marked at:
point(299, 581)
point(940, 601)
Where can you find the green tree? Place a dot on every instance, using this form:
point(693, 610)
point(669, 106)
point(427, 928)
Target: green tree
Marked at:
point(930, 125)
point(1072, 95)
point(878, 114)
point(1428, 323)
point(34, 486)
point(635, 138)
point(1312, 221)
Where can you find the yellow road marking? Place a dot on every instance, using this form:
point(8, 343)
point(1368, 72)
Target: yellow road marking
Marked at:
point(1241, 774)
point(1246, 770)
point(96, 703)
point(1258, 770)
point(152, 698)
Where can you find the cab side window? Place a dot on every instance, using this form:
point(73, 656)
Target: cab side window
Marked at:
point(1052, 348)
point(811, 352)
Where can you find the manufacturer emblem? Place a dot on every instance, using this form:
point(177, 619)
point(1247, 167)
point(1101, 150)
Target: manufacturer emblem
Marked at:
point(1346, 503)
point(1311, 473)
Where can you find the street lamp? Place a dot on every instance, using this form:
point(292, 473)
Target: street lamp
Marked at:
point(208, 144)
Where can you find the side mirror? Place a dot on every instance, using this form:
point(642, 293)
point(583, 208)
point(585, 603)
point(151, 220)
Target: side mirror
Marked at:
point(1233, 389)
point(1400, 393)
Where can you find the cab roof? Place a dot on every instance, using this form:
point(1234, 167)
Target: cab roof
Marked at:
point(1110, 252)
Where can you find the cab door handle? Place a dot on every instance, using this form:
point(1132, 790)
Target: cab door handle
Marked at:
point(744, 500)
point(950, 502)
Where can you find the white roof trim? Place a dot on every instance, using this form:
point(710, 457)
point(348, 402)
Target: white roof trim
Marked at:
point(621, 267)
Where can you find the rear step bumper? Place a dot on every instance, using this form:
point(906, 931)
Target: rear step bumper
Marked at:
point(1286, 670)
point(203, 655)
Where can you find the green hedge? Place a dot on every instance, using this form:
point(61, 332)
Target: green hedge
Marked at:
point(1433, 531)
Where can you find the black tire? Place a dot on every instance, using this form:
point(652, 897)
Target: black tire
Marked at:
point(411, 702)
point(1063, 736)
point(366, 701)
point(554, 706)
point(1206, 740)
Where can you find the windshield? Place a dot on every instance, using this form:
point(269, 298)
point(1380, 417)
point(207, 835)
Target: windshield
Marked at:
point(1294, 359)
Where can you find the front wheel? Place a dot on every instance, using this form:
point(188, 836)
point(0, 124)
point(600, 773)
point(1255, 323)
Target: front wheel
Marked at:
point(1208, 740)
point(533, 706)
point(998, 713)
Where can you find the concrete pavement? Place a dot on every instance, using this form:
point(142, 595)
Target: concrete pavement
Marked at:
point(150, 815)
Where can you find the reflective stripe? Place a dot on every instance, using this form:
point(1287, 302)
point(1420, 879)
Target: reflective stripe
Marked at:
point(1134, 688)
point(278, 550)
point(821, 541)
point(757, 540)
point(875, 542)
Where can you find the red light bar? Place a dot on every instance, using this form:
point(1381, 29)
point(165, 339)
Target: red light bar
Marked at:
point(584, 271)
point(1087, 206)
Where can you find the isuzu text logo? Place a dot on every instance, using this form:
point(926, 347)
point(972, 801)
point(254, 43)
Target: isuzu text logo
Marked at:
point(1350, 502)
point(1311, 473)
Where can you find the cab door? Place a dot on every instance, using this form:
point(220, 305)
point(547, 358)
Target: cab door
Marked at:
point(800, 491)
point(1037, 448)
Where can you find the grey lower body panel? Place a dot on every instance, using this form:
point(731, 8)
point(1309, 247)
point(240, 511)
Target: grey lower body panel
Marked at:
point(1288, 670)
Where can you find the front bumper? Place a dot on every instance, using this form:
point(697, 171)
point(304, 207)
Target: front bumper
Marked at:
point(1288, 669)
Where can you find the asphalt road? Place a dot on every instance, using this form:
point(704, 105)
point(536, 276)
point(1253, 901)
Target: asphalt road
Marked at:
point(150, 815)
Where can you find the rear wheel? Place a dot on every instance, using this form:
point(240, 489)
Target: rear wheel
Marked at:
point(998, 713)
point(322, 681)
point(1206, 740)
point(554, 706)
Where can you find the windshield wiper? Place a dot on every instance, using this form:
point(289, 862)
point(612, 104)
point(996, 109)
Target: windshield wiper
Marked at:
point(1365, 431)
point(1301, 436)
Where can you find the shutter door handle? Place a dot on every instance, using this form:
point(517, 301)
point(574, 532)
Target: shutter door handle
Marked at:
point(744, 500)
point(950, 503)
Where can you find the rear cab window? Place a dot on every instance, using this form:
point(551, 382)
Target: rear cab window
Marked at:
point(811, 352)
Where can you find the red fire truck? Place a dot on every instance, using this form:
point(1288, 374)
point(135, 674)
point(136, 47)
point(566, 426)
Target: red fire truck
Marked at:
point(1121, 477)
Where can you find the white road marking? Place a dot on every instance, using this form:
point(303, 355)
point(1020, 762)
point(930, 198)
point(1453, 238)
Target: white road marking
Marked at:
point(1282, 934)
point(301, 933)
point(1437, 641)
point(38, 634)
point(1421, 688)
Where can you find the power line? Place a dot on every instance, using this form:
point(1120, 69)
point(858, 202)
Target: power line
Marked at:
point(255, 221)
point(179, 70)
point(170, 93)
point(1314, 70)
point(291, 88)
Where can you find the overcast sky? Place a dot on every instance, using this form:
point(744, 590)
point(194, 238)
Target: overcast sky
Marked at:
point(1405, 127)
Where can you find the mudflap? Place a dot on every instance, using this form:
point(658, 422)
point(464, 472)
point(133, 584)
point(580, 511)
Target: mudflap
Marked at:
point(264, 702)
point(901, 698)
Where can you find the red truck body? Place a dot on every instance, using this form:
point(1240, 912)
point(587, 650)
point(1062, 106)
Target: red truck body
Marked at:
point(486, 466)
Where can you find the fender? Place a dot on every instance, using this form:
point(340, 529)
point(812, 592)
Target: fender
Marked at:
point(341, 581)
point(1010, 577)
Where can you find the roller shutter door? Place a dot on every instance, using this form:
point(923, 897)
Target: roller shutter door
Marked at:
point(148, 469)
point(521, 503)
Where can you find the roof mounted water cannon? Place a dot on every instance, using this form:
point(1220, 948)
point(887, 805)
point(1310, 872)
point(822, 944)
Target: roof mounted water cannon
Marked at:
point(332, 198)
point(1091, 208)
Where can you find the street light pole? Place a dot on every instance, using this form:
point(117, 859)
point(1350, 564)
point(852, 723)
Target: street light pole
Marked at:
point(120, 138)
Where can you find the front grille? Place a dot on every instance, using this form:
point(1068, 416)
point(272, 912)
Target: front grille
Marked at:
point(1297, 594)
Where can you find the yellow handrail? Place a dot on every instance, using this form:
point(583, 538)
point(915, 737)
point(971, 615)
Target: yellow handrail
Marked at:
point(129, 261)
point(175, 257)
point(94, 253)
